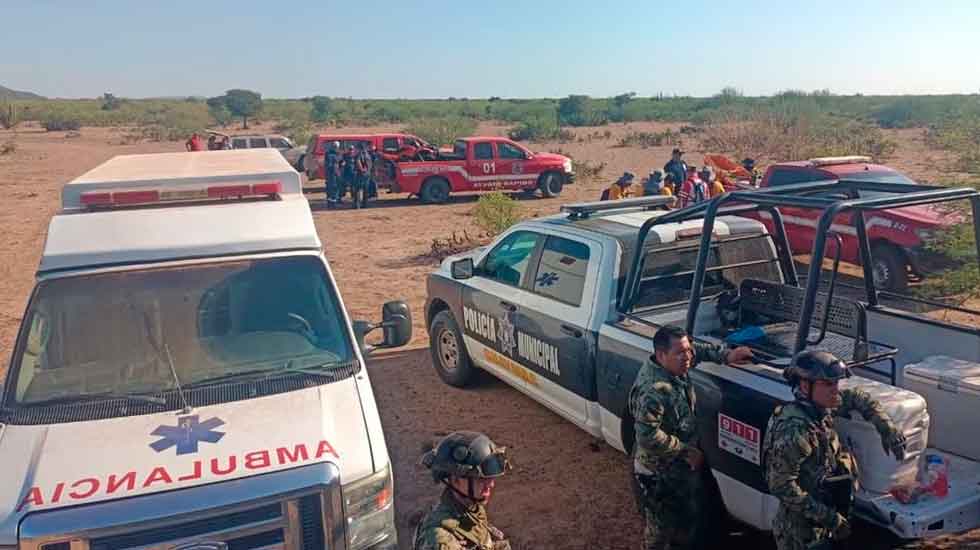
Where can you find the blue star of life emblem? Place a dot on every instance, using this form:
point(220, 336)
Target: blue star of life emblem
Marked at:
point(187, 434)
point(548, 279)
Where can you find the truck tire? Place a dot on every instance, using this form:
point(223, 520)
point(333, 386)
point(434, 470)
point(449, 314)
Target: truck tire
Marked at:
point(435, 191)
point(889, 268)
point(449, 356)
point(550, 185)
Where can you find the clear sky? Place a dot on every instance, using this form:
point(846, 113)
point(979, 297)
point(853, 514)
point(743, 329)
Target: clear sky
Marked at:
point(530, 48)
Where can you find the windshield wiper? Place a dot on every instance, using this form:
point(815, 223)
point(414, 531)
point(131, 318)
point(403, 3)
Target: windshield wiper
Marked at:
point(87, 397)
point(336, 368)
point(287, 368)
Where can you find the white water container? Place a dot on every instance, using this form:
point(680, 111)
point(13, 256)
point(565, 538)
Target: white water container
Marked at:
point(952, 389)
point(879, 472)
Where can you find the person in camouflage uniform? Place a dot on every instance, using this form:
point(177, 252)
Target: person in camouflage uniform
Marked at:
point(467, 463)
point(806, 467)
point(667, 460)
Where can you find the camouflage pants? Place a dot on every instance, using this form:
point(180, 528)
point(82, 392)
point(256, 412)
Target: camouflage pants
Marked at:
point(671, 505)
point(797, 533)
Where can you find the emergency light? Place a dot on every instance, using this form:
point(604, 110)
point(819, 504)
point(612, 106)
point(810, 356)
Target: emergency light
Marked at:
point(128, 197)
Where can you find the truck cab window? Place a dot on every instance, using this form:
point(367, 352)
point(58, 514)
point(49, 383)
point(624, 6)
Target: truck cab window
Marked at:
point(239, 143)
point(483, 151)
point(562, 269)
point(508, 151)
point(508, 261)
point(783, 176)
point(279, 143)
point(390, 144)
point(258, 143)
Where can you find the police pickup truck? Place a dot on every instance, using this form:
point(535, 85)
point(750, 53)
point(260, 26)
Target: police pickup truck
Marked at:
point(564, 308)
point(186, 375)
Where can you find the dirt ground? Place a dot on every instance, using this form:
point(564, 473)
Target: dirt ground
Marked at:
point(567, 491)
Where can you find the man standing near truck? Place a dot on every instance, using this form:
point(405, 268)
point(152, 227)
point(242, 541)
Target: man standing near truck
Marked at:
point(667, 458)
point(676, 167)
point(331, 173)
point(806, 467)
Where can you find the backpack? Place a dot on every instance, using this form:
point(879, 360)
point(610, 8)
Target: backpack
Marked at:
point(605, 195)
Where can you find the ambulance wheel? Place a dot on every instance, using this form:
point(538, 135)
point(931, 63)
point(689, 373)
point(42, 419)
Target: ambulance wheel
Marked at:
point(551, 185)
point(449, 356)
point(888, 268)
point(435, 191)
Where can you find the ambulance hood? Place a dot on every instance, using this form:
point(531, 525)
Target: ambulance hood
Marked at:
point(52, 466)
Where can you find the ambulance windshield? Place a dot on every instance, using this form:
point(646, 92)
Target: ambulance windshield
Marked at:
point(126, 332)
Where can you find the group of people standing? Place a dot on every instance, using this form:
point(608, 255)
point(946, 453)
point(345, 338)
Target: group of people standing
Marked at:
point(350, 171)
point(686, 183)
point(805, 464)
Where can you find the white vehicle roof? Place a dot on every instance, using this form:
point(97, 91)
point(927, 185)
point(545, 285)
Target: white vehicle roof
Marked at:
point(183, 170)
point(82, 237)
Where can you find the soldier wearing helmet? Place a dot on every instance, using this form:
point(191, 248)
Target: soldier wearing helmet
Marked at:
point(467, 463)
point(805, 465)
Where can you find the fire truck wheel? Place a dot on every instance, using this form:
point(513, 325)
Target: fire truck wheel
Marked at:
point(435, 191)
point(551, 185)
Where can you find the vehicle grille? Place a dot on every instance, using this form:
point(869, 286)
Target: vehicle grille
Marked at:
point(196, 397)
point(295, 524)
point(296, 509)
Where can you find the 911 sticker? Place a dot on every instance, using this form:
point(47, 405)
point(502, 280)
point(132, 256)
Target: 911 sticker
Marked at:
point(738, 438)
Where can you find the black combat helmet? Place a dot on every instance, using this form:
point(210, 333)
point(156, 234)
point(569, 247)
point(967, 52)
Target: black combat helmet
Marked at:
point(466, 455)
point(815, 365)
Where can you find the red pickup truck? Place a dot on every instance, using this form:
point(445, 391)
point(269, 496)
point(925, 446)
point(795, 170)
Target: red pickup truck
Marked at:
point(483, 164)
point(393, 147)
point(897, 236)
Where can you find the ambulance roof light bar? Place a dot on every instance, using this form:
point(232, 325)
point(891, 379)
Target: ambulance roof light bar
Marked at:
point(107, 198)
point(583, 210)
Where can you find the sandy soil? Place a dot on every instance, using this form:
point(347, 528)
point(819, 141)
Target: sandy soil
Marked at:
point(568, 490)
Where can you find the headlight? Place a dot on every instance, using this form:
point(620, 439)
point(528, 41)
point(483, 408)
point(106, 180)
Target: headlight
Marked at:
point(369, 505)
point(567, 165)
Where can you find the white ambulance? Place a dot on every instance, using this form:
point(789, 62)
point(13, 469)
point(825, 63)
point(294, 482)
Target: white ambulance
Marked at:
point(186, 375)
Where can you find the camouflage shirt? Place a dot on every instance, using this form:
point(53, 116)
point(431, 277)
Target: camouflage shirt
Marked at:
point(663, 409)
point(801, 448)
point(451, 526)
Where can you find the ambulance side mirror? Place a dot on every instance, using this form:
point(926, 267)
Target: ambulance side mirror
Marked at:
point(462, 269)
point(396, 324)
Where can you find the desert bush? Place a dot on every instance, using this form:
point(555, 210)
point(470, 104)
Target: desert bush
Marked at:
point(443, 247)
point(794, 136)
point(587, 171)
point(59, 122)
point(443, 130)
point(8, 147)
point(535, 130)
point(8, 116)
point(495, 212)
point(298, 132)
point(581, 110)
point(960, 136)
point(648, 139)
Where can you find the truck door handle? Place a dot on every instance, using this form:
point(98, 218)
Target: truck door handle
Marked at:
point(508, 306)
point(571, 331)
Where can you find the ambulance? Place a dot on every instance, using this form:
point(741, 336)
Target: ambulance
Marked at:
point(186, 374)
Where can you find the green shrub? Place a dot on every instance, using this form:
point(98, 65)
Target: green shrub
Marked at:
point(495, 212)
point(8, 116)
point(442, 131)
point(60, 122)
point(648, 139)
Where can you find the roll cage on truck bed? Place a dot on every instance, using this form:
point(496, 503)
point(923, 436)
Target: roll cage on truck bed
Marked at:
point(795, 316)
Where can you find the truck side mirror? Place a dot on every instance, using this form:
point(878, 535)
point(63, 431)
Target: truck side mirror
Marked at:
point(462, 269)
point(396, 320)
point(396, 323)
